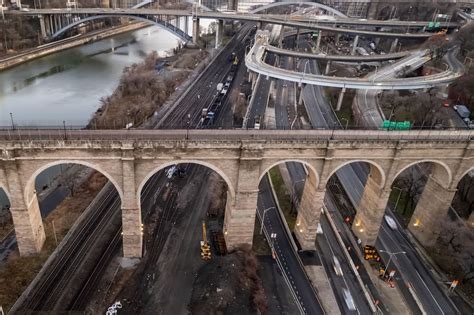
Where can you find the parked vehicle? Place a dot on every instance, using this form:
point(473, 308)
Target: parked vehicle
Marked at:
point(462, 111)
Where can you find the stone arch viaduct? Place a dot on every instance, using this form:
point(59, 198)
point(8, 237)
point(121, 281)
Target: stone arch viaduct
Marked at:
point(129, 157)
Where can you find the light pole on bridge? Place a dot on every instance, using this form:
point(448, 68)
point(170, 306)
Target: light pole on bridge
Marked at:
point(11, 118)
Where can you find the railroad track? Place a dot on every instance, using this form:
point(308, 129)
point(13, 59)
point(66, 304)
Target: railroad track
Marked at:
point(46, 293)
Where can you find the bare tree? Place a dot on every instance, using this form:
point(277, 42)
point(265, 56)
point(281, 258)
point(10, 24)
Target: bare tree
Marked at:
point(456, 250)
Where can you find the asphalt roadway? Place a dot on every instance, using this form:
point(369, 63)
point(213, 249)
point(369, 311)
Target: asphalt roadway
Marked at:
point(283, 249)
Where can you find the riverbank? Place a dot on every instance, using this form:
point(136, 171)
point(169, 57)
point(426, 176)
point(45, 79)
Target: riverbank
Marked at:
point(67, 43)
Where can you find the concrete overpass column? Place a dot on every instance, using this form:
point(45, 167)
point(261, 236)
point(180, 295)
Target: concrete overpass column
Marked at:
point(370, 212)
point(51, 25)
point(297, 36)
point(42, 27)
point(338, 36)
point(309, 212)
point(328, 67)
point(29, 229)
point(300, 98)
point(430, 212)
point(240, 213)
point(282, 36)
point(186, 25)
point(195, 30)
point(372, 10)
point(219, 33)
point(260, 25)
point(132, 234)
point(394, 45)
point(318, 41)
point(354, 46)
point(340, 99)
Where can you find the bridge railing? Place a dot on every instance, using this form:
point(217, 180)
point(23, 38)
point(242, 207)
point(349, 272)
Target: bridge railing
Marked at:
point(236, 135)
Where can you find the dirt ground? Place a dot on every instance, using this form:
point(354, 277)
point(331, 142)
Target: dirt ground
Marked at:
point(17, 272)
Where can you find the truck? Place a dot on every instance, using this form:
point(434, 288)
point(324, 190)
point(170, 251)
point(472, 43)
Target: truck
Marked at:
point(204, 113)
point(257, 122)
point(462, 111)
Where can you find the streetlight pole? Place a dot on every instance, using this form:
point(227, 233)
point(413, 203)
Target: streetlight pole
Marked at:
point(263, 218)
point(11, 118)
point(389, 259)
point(187, 128)
point(64, 127)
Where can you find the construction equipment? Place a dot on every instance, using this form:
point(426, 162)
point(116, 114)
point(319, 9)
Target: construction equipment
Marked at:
point(205, 247)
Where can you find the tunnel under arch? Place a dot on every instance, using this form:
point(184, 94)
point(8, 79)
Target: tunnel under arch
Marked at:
point(30, 189)
point(295, 183)
point(421, 195)
point(163, 166)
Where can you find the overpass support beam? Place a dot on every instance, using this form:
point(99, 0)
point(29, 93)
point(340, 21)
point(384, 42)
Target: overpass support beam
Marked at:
point(281, 37)
point(297, 36)
point(328, 67)
point(318, 41)
point(309, 213)
point(260, 25)
point(240, 211)
point(394, 45)
point(219, 33)
point(132, 234)
point(186, 24)
point(42, 27)
point(430, 212)
point(354, 45)
point(195, 30)
point(340, 99)
point(300, 98)
point(370, 212)
point(26, 216)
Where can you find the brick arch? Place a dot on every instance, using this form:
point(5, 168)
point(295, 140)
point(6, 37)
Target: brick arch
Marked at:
point(155, 170)
point(460, 178)
point(439, 169)
point(305, 163)
point(379, 174)
point(30, 184)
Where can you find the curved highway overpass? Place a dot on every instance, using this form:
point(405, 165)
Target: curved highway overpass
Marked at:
point(255, 62)
point(305, 55)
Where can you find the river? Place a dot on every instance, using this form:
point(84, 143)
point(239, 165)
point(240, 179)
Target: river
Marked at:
point(67, 86)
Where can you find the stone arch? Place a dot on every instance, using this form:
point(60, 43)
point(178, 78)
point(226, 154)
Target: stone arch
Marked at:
point(30, 184)
point(166, 26)
point(376, 171)
point(305, 163)
point(155, 170)
point(439, 169)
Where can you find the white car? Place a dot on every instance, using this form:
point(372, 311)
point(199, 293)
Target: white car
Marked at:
point(349, 300)
point(390, 222)
point(337, 266)
point(224, 91)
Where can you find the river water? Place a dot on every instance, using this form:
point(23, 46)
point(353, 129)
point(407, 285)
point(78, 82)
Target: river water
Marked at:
point(67, 86)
